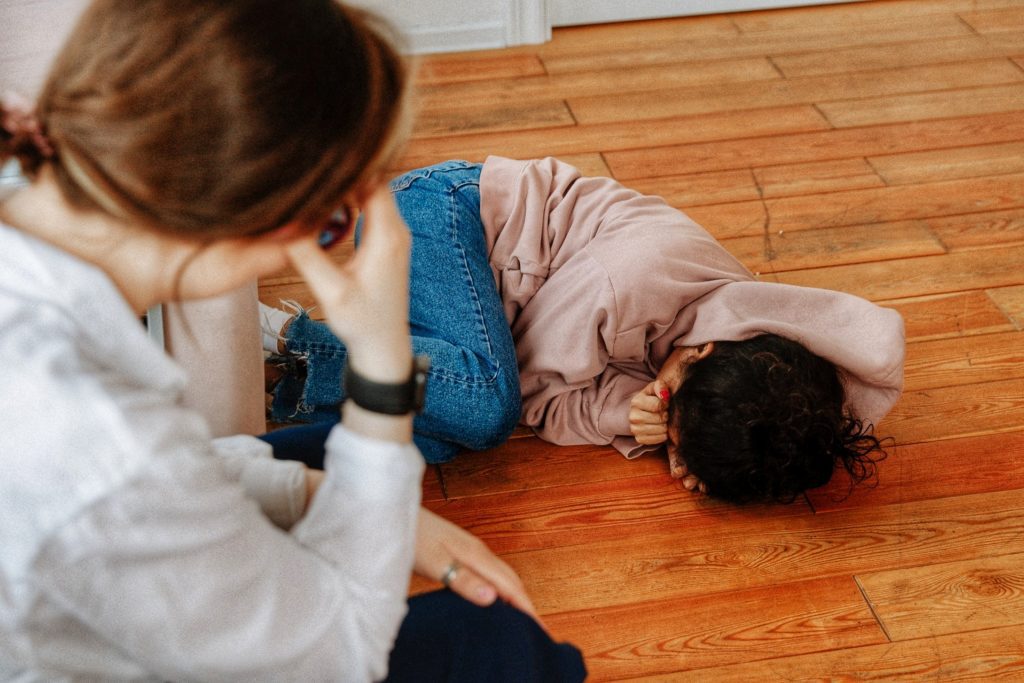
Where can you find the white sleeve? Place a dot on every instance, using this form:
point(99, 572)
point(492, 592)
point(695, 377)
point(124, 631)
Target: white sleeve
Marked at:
point(184, 574)
point(277, 486)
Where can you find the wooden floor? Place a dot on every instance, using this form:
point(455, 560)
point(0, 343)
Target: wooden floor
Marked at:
point(876, 148)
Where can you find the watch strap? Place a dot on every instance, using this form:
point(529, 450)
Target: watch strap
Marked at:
point(387, 398)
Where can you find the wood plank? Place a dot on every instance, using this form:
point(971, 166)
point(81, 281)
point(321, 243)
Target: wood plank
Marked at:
point(994, 654)
point(944, 164)
point(583, 511)
point(949, 412)
point(432, 487)
point(701, 188)
point(671, 562)
point(856, 207)
point(717, 187)
point(933, 469)
point(528, 144)
point(816, 177)
point(993, 21)
point(636, 46)
point(972, 231)
point(685, 634)
point(1011, 302)
point(595, 40)
point(899, 55)
point(437, 69)
point(820, 90)
point(950, 315)
point(492, 119)
point(530, 463)
point(589, 83)
point(793, 250)
point(930, 105)
point(952, 597)
point(955, 272)
point(964, 360)
point(754, 149)
point(589, 164)
point(844, 16)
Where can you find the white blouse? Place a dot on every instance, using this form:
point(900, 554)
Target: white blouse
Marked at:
point(133, 547)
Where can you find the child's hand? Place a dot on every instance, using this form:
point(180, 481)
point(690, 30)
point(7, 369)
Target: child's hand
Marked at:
point(678, 469)
point(648, 415)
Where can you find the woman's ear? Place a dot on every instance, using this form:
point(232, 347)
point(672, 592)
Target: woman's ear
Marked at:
point(704, 350)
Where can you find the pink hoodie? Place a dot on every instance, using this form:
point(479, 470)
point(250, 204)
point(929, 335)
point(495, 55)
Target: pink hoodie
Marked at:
point(600, 283)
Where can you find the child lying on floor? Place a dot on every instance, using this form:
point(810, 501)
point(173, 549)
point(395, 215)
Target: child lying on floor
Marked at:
point(616, 320)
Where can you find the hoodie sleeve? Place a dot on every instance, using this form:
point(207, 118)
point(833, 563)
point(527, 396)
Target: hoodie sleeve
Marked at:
point(865, 341)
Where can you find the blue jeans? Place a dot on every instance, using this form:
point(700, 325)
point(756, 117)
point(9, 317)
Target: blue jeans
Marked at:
point(456, 317)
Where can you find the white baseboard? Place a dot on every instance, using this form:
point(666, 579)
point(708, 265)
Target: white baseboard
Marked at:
point(456, 38)
point(525, 22)
point(577, 12)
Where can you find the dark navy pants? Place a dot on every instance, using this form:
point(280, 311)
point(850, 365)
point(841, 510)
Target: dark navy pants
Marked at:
point(445, 637)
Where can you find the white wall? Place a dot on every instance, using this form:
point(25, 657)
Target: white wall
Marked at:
point(450, 25)
point(31, 32)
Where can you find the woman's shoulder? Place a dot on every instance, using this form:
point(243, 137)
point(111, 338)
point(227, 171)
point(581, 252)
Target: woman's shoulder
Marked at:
point(86, 396)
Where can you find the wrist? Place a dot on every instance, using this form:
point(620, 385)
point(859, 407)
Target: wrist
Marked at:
point(401, 397)
point(388, 362)
point(397, 428)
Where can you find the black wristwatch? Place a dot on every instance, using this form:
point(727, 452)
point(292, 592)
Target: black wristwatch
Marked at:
point(390, 399)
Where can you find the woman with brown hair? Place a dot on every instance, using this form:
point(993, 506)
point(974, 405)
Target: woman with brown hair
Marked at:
point(179, 149)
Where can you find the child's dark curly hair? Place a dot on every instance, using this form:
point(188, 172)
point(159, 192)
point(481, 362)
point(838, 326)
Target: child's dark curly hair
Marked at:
point(762, 420)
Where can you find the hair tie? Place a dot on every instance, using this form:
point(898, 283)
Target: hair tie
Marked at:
point(17, 117)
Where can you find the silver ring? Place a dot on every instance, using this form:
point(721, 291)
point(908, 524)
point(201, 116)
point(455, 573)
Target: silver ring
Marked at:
point(450, 573)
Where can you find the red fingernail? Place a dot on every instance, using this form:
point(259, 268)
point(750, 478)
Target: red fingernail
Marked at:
point(663, 394)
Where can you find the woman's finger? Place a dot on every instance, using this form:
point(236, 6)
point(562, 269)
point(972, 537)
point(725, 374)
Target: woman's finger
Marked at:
point(382, 223)
point(325, 278)
point(504, 579)
point(471, 586)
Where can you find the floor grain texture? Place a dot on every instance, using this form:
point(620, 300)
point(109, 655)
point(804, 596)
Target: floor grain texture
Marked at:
point(871, 147)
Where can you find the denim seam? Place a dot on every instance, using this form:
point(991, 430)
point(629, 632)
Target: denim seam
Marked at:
point(409, 178)
point(468, 275)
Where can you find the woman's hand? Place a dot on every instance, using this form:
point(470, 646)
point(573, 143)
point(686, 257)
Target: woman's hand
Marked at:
point(480, 576)
point(366, 299)
point(366, 303)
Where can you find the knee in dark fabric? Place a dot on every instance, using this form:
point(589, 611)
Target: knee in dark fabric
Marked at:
point(446, 638)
